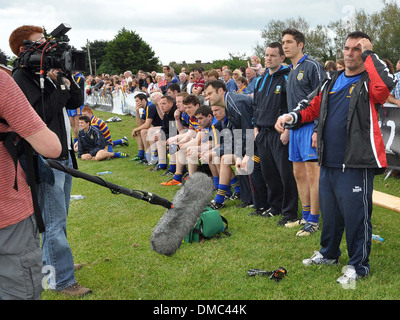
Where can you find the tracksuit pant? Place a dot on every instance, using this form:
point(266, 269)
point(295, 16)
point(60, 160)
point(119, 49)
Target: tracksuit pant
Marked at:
point(258, 186)
point(346, 205)
point(277, 171)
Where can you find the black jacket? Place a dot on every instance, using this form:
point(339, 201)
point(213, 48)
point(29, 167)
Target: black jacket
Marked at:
point(270, 98)
point(364, 146)
point(50, 109)
point(239, 112)
point(90, 142)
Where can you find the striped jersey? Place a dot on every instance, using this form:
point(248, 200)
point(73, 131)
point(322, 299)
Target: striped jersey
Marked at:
point(102, 126)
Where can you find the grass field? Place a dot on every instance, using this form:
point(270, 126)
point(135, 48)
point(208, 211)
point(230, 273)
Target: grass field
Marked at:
point(109, 234)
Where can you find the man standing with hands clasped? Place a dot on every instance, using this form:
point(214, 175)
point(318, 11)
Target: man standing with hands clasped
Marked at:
point(269, 103)
point(350, 150)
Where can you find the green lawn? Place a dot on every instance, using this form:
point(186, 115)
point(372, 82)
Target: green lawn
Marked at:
point(109, 234)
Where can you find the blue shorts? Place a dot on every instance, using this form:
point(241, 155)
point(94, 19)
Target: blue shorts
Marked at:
point(300, 141)
point(75, 112)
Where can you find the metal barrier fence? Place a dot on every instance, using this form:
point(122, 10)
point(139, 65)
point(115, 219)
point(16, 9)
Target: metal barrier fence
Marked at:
point(118, 102)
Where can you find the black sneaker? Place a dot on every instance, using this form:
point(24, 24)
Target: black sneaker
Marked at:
point(142, 161)
point(137, 158)
point(269, 213)
point(125, 141)
point(258, 212)
point(216, 205)
point(168, 173)
point(285, 220)
point(235, 196)
point(245, 205)
point(157, 168)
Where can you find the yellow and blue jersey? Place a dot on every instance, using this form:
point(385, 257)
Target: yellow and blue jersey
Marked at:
point(193, 124)
point(212, 132)
point(102, 126)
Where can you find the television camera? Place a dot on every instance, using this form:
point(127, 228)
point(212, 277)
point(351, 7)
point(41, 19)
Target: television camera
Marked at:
point(53, 53)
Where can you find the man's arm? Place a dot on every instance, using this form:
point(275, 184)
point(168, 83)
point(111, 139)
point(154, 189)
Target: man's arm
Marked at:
point(45, 142)
point(177, 116)
point(381, 80)
point(307, 111)
point(145, 125)
point(393, 100)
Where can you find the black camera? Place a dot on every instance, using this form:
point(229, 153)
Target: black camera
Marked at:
point(53, 53)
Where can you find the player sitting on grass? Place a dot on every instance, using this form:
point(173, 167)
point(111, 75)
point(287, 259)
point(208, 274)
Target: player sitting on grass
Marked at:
point(91, 143)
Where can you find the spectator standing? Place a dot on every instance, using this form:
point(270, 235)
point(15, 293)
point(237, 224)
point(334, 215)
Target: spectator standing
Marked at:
point(269, 103)
point(231, 85)
point(305, 76)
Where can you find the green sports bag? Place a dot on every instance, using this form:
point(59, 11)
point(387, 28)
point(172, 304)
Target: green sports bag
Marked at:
point(209, 224)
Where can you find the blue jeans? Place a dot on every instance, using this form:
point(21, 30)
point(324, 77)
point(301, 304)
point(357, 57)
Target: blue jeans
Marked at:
point(54, 204)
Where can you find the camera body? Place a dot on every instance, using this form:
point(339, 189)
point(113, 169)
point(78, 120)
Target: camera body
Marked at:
point(54, 53)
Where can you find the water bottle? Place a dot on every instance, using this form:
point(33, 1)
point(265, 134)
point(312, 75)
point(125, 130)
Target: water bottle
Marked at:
point(77, 197)
point(377, 238)
point(104, 172)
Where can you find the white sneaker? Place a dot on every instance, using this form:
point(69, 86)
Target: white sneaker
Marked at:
point(296, 223)
point(309, 227)
point(318, 258)
point(349, 276)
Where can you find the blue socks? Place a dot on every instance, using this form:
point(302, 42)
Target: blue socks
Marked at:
point(178, 177)
point(306, 212)
point(222, 192)
point(235, 184)
point(216, 182)
point(141, 153)
point(314, 218)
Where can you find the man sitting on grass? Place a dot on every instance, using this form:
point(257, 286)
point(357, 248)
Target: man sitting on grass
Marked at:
point(102, 126)
point(91, 143)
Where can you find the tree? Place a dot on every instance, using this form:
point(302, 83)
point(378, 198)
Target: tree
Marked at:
point(318, 43)
point(326, 42)
point(385, 33)
point(128, 51)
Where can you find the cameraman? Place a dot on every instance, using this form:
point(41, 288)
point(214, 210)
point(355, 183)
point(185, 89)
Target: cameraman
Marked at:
point(54, 189)
point(19, 237)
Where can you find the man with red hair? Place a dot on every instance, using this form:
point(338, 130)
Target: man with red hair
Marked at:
point(50, 96)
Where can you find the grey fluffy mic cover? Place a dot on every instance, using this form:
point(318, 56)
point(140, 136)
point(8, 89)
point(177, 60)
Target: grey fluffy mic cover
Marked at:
point(188, 204)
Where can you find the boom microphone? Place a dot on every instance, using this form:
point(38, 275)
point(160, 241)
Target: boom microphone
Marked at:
point(188, 204)
point(138, 194)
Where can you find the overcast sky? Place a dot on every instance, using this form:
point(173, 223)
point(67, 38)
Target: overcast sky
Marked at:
point(177, 30)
